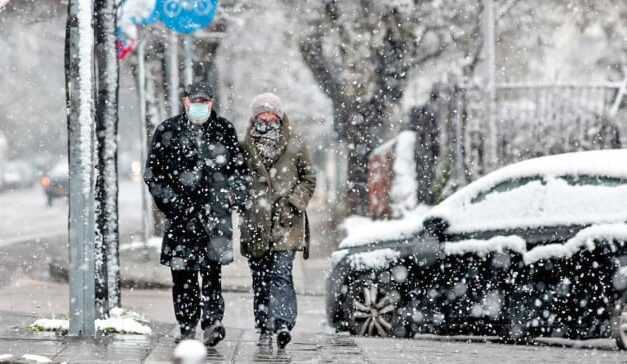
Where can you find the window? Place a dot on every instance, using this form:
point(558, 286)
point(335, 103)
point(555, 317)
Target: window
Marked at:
point(506, 186)
point(588, 180)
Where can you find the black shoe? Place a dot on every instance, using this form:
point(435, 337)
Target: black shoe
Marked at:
point(265, 339)
point(283, 337)
point(214, 334)
point(187, 335)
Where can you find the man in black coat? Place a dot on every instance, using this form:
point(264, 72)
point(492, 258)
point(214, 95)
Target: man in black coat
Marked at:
point(196, 174)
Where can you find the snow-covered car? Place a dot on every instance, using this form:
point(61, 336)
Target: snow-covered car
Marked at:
point(537, 248)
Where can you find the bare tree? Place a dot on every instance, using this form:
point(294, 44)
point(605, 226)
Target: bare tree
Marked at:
point(361, 54)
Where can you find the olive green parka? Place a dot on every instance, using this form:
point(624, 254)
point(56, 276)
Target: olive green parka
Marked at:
point(292, 176)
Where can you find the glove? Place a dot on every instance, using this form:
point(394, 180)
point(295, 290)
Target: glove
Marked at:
point(284, 212)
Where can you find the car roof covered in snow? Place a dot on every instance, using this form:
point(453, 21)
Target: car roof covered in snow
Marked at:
point(609, 163)
point(606, 163)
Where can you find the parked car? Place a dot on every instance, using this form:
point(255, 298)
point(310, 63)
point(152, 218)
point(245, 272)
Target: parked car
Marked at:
point(55, 182)
point(537, 248)
point(17, 174)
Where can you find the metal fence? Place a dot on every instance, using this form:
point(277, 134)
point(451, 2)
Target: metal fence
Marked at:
point(530, 120)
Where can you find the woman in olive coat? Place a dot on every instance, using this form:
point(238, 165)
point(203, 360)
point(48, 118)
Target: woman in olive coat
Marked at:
point(275, 224)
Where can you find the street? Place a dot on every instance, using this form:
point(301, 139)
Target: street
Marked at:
point(25, 216)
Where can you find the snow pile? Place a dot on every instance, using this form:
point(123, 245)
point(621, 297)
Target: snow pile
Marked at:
point(362, 230)
point(376, 259)
point(574, 188)
point(36, 358)
point(29, 357)
point(58, 326)
point(120, 321)
point(190, 352)
point(123, 322)
point(482, 248)
point(403, 194)
point(585, 238)
point(153, 243)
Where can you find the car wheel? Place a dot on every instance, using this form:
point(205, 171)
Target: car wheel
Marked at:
point(619, 323)
point(373, 308)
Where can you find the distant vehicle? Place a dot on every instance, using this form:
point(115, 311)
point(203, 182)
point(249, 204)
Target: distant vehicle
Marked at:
point(55, 183)
point(537, 248)
point(17, 174)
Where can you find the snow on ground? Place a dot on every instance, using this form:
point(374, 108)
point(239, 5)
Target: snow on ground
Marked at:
point(120, 321)
point(374, 259)
point(5, 357)
point(363, 230)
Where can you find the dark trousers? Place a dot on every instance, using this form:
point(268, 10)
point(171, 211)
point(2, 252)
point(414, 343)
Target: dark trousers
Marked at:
point(274, 299)
point(190, 297)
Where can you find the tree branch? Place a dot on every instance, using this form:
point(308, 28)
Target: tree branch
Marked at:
point(321, 68)
point(505, 9)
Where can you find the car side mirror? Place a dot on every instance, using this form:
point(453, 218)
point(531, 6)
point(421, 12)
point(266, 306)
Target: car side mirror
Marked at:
point(436, 226)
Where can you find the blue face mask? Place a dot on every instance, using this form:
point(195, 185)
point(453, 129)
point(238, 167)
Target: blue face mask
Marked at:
point(198, 113)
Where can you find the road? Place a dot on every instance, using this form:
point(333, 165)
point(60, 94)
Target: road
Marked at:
point(24, 214)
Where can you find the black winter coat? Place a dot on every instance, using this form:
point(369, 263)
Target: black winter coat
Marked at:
point(196, 175)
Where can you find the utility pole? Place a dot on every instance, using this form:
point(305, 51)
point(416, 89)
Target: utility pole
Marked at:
point(143, 146)
point(490, 42)
point(173, 74)
point(79, 77)
point(188, 50)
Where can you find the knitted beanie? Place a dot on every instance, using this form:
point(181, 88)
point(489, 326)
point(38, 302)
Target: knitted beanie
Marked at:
point(267, 102)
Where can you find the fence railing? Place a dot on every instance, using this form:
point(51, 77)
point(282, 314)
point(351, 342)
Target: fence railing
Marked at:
point(532, 119)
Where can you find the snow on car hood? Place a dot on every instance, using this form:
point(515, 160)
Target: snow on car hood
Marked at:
point(549, 201)
point(363, 230)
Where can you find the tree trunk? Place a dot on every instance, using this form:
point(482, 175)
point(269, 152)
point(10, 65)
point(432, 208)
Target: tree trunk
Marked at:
point(107, 225)
point(79, 102)
point(364, 131)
